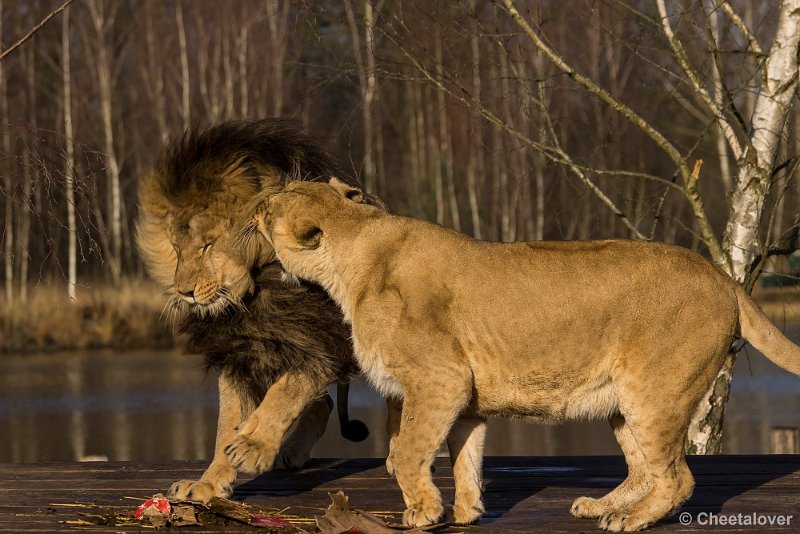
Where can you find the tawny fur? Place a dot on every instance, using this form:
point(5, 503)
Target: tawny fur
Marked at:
point(546, 331)
point(277, 347)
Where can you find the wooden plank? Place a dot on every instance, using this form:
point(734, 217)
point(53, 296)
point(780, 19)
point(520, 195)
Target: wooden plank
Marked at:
point(522, 494)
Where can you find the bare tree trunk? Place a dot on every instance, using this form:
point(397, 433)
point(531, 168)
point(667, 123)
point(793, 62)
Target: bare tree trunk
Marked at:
point(153, 74)
point(244, 96)
point(69, 169)
point(227, 69)
point(102, 20)
point(365, 66)
point(417, 142)
point(475, 168)
point(445, 150)
point(186, 108)
point(277, 19)
point(8, 181)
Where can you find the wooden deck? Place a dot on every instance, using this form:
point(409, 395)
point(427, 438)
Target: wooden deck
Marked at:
point(522, 494)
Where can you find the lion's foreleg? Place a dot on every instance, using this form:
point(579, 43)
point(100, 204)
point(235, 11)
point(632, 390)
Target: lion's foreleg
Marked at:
point(465, 443)
point(218, 479)
point(394, 414)
point(255, 447)
point(310, 427)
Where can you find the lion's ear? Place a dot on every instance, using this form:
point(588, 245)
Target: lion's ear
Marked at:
point(306, 233)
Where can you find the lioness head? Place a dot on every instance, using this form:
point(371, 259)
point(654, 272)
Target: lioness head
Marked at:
point(295, 221)
point(201, 191)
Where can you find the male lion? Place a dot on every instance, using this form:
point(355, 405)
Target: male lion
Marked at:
point(547, 331)
point(277, 347)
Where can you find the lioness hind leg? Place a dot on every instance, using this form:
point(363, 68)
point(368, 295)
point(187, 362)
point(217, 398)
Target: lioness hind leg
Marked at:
point(465, 443)
point(670, 482)
point(633, 488)
point(218, 479)
point(308, 430)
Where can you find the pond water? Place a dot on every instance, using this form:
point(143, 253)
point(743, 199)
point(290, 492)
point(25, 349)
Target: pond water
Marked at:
point(160, 405)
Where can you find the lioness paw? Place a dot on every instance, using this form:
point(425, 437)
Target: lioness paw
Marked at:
point(464, 515)
point(250, 456)
point(420, 515)
point(588, 508)
point(623, 521)
point(196, 490)
point(390, 464)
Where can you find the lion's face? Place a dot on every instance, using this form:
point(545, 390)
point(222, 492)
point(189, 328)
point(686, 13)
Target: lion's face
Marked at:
point(191, 249)
point(210, 274)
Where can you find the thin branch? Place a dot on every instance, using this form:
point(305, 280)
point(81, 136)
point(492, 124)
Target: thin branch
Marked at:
point(742, 27)
point(35, 29)
point(694, 79)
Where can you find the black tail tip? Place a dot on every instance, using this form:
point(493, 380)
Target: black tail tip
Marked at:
point(355, 430)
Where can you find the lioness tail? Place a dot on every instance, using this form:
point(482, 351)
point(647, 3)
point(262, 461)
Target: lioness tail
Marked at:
point(765, 336)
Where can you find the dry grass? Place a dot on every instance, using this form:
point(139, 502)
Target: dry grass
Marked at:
point(102, 316)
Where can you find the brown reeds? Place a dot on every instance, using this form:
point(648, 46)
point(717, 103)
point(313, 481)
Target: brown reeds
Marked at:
point(102, 316)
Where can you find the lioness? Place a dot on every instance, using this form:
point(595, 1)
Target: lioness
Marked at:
point(277, 347)
point(547, 331)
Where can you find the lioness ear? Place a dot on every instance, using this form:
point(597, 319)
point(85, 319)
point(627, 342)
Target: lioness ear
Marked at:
point(307, 234)
point(347, 191)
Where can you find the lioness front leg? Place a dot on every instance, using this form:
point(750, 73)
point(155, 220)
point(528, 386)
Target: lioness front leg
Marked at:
point(426, 421)
point(394, 414)
point(465, 443)
point(255, 447)
point(218, 479)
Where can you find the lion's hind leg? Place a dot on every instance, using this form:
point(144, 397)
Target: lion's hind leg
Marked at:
point(633, 488)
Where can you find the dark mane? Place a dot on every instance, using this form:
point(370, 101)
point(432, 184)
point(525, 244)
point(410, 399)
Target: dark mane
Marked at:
point(196, 161)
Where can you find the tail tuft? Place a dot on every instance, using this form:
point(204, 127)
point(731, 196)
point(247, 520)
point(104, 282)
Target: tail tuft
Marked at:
point(355, 430)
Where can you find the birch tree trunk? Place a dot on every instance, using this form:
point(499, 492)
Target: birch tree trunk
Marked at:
point(277, 19)
point(186, 87)
point(102, 20)
point(748, 198)
point(8, 181)
point(475, 167)
point(445, 149)
point(69, 165)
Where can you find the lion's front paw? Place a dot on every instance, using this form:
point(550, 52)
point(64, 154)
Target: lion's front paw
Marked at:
point(196, 490)
point(249, 455)
point(292, 458)
point(624, 521)
point(420, 515)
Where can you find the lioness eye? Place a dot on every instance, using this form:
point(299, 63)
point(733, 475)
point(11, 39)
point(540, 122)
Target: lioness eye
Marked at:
point(205, 248)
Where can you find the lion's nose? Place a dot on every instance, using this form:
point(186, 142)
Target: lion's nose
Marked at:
point(188, 294)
